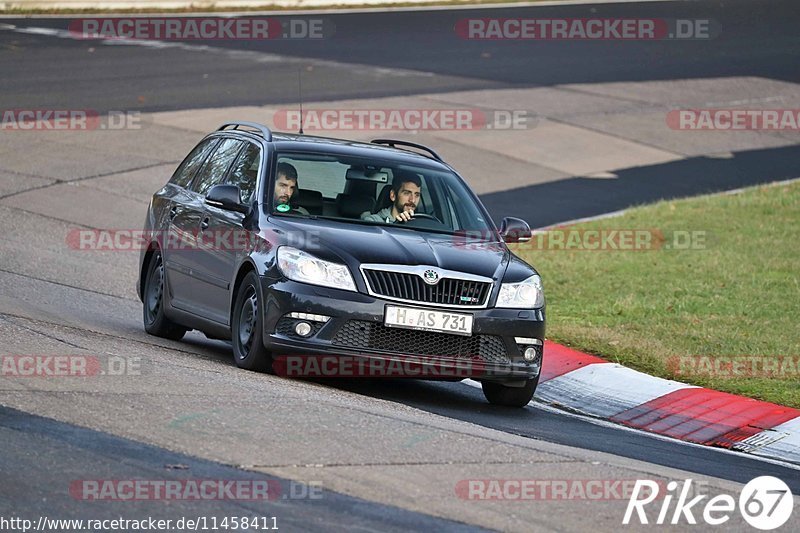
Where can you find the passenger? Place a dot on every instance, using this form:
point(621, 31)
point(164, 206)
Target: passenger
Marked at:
point(286, 185)
point(405, 195)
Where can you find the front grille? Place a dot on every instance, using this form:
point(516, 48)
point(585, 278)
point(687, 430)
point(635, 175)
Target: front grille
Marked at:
point(375, 336)
point(407, 286)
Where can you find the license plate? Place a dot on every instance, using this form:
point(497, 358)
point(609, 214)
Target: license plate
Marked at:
point(428, 320)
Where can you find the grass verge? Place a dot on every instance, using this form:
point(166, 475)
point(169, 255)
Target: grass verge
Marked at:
point(711, 297)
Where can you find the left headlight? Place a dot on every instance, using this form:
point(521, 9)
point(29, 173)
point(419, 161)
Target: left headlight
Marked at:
point(527, 294)
point(301, 266)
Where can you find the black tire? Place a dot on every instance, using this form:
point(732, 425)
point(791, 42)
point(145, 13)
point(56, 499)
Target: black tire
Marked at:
point(155, 322)
point(247, 325)
point(499, 394)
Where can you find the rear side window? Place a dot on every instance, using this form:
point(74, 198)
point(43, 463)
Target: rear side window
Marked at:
point(213, 172)
point(325, 177)
point(188, 168)
point(245, 171)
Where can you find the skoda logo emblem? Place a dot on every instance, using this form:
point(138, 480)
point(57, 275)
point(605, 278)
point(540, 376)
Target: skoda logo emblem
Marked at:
point(431, 277)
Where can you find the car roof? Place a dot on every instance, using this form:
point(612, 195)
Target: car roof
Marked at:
point(291, 142)
point(304, 143)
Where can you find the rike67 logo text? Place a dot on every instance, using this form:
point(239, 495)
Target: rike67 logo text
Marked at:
point(765, 503)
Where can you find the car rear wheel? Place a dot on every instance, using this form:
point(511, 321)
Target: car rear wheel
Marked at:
point(155, 322)
point(246, 328)
point(499, 394)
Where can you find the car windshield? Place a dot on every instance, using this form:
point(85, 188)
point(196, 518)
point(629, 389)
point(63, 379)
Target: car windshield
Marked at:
point(374, 191)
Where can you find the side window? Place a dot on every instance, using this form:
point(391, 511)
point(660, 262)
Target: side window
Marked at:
point(213, 172)
point(466, 214)
point(187, 169)
point(245, 171)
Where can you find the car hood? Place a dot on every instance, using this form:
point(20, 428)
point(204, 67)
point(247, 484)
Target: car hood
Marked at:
point(357, 244)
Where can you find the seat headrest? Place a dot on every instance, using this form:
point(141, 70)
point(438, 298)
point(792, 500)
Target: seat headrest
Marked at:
point(311, 200)
point(383, 198)
point(352, 205)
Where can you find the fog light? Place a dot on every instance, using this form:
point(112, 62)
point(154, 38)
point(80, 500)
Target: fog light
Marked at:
point(303, 329)
point(530, 354)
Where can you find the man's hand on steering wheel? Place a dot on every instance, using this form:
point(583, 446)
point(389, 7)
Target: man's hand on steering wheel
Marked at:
point(415, 216)
point(405, 216)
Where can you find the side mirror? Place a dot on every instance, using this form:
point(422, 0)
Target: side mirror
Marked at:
point(515, 230)
point(226, 197)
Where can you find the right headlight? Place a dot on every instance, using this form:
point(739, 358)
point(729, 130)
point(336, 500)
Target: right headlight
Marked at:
point(301, 266)
point(527, 294)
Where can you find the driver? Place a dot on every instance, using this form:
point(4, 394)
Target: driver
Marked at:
point(405, 194)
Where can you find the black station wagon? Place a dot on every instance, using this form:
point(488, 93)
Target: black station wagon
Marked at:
point(377, 255)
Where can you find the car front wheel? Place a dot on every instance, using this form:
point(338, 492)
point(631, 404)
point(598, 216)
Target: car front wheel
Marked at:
point(155, 322)
point(247, 325)
point(499, 394)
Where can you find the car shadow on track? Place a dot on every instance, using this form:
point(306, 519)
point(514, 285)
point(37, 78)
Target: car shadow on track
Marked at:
point(453, 399)
point(211, 349)
point(442, 397)
point(578, 197)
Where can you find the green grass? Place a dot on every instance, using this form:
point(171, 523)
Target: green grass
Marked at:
point(736, 295)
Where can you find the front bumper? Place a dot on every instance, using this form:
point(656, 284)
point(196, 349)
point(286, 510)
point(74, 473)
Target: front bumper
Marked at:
point(355, 334)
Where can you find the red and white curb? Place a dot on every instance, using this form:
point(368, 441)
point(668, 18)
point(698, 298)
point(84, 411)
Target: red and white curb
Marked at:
point(592, 386)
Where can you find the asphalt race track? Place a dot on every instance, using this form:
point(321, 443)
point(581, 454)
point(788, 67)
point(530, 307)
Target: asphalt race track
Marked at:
point(389, 455)
point(752, 43)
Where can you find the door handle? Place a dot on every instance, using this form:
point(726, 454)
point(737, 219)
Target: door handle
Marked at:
point(204, 224)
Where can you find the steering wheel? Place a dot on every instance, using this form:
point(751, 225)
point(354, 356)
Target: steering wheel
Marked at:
point(421, 215)
point(426, 221)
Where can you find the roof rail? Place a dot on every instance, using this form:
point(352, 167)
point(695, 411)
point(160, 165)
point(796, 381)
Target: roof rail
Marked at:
point(394, 144)
point(263, 130)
